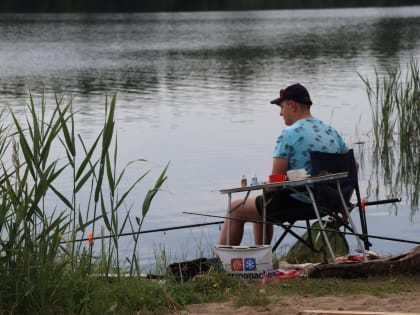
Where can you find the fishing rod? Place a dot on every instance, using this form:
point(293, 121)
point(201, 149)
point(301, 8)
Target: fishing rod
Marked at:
point(310, 228)
point(146, 231)
point(367, 203)
point(377, 202)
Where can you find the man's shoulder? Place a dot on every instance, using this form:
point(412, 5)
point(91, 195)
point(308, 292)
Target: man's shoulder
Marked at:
point(318, 122)
point(312, 125)
point(308, 122)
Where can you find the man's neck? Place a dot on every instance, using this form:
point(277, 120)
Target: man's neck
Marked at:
point(304, 116)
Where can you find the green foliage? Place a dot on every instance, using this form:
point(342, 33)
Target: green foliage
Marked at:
point(208, 287)
point(43, 266)
point(334, 286)
point(395, 104)
point(300, 253)
point(250, 296)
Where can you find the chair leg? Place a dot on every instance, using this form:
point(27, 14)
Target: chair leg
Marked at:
point(322, 226)
point(345, 207)
point(288, 229)
point(363, 222)
point(340, 222)
point(323, 248)
point(311, 241)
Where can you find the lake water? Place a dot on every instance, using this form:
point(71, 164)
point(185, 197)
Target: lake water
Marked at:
point(193, 89)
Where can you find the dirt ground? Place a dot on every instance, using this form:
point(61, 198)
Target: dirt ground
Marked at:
point(292, 305)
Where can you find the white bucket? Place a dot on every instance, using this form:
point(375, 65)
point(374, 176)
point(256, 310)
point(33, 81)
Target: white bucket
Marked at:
point(246, 261)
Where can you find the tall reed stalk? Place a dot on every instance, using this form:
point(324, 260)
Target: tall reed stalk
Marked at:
point(395, 104)
point(40, 221)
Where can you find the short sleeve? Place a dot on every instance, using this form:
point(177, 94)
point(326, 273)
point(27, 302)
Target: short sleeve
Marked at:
point(342, 145)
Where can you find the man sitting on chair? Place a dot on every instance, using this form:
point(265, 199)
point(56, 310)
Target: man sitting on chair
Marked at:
point(303, 134)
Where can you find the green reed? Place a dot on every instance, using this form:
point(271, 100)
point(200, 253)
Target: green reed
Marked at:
point(40, 222)
point(395, 104)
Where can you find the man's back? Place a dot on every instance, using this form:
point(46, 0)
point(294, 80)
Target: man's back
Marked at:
point(305, 135)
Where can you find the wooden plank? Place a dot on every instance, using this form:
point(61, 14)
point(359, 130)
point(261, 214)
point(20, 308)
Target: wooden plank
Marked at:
point(332, 312)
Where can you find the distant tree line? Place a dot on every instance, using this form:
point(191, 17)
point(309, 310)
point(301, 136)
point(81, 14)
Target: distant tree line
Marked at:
point(184, 5)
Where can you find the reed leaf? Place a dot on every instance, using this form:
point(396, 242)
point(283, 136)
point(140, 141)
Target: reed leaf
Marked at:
point(87, 159)
point(56, 224)
point(107, 135)
point(105, 215)
point(99, 180)
point(120, 177)
point(68, 136)
point(83, 225)
point(85, 178)
point(27, 153)
point(109, 128)
point(81, 222)
point(63, 198)
point(395, 103)
point(34, 128)
point(110, 175)
point(46, 179)
point(114, 221)
point(130, 189)
point(124, 223)
point(152, 192)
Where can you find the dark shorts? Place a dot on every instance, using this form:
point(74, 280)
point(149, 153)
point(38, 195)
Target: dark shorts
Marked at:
point(282, 207)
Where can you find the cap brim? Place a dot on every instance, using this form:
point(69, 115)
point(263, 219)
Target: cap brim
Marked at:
point(277, 101)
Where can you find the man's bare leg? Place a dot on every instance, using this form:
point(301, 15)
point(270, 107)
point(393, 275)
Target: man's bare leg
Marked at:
point(241, 214)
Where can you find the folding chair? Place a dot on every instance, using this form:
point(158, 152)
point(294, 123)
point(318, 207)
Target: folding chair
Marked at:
point(332, 197)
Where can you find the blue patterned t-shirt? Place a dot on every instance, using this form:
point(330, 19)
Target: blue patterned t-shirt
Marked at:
point(305, 135)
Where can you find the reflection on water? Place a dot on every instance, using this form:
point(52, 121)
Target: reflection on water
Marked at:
point(87, 54)
point(194, 88)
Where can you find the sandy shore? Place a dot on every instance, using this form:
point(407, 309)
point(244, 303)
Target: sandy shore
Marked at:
point(292, 305)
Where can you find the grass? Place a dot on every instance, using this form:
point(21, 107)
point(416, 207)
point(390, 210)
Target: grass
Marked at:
point(254, 295)
point(395, 102)
point(134, 295)
point(43, 266)
point(378, 286)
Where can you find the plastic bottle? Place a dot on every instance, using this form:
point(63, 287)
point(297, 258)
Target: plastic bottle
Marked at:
point(254, 180)
point(243, 180)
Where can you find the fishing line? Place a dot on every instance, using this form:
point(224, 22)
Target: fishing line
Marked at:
point(144, 232)
point(220, 222)
point(310, 228)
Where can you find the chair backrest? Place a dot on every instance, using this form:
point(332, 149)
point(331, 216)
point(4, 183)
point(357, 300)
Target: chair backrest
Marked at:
point(324, 163)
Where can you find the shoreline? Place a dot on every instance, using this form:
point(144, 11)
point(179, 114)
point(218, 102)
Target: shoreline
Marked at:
point(395, 302)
